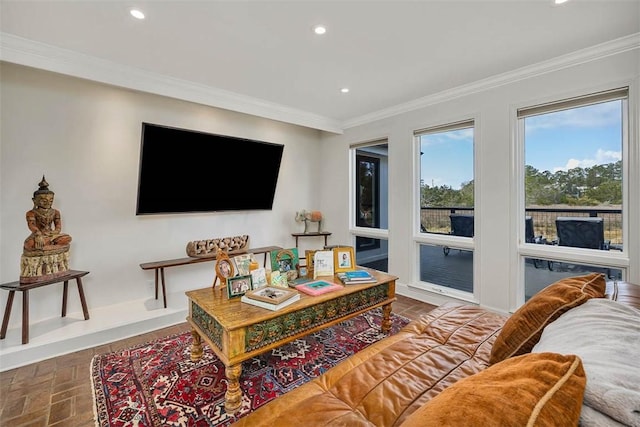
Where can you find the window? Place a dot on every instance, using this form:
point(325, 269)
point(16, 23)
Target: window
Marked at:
point(573, 179)
point(370, 203)
point(367, 197)
point(446, 205)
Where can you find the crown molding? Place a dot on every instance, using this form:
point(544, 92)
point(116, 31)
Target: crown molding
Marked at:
point(40, 55)
point(30, 53)
point(589, 54)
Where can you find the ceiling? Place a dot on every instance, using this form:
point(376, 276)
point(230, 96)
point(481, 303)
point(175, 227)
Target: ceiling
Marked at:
point(263, 58)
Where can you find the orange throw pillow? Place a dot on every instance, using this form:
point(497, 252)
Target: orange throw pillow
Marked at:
point(537, 389)
point(523, 329)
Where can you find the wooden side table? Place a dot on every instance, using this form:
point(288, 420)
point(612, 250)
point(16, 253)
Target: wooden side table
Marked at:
point(324, 234)
point(12, 287)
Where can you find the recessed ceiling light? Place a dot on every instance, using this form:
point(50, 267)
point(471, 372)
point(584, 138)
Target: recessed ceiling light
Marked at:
point(136, 13)
point(344, 90)
point(319, 29)
point(561, 1)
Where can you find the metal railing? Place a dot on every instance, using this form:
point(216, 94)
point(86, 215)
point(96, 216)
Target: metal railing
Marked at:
point(436, 220)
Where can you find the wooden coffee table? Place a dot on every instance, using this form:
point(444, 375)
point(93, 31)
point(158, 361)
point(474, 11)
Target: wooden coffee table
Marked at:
point(236, 331)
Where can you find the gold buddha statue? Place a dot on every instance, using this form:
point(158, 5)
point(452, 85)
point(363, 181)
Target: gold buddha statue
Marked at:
point(46, 249)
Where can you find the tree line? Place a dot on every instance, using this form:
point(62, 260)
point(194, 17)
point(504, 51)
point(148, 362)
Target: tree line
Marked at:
point(590, 186)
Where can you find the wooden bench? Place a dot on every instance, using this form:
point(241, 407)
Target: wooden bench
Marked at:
point(159, 266)
point(25, 287)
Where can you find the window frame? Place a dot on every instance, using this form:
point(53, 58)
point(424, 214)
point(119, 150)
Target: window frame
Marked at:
point(600, 258)
point(369, 238)
point(454, 242)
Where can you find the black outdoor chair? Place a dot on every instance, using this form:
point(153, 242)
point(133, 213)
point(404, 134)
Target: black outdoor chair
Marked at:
point(583, 232)
point(530, 237)
point(461, 225)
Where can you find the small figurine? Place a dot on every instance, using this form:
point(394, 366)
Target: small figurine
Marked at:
point(309, 216)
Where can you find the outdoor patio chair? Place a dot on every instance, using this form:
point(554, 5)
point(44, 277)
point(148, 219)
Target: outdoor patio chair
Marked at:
point(581, 232)
point(461, 225)
point(530, 237)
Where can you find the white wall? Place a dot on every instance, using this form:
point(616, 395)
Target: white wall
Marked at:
point(85, 138)
point(496, 273)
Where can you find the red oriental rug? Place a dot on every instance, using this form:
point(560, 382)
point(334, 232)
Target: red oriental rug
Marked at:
point(156, 384)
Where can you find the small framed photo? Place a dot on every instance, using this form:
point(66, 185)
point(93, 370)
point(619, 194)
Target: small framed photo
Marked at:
point(259, 278)
point(238, 285)
point(224, 267)
point(343, 259)
point(286, 261)
point(243, 263)
point(310, 262)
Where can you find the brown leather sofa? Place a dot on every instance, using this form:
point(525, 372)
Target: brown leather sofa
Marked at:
point(388, 381)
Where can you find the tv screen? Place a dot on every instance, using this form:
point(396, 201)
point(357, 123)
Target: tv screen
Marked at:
point(189, 171)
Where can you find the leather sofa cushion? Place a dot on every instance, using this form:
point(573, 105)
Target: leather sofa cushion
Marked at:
point(539, 389)
point(383, 384)
point(523, 328)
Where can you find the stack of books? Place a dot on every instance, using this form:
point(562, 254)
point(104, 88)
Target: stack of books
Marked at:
point(271, 297)
point(355, 277)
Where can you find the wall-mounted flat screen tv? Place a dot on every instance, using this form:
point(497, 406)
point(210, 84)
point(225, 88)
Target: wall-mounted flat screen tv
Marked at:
point(189, 171)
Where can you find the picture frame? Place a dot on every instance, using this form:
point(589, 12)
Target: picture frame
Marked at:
point(286, 261)
point(259, 278)
point(224, 268)
point(272, 295)
point(309, 253)
point(238, 285)
point(344, 259)
point(243, 263)
point(322, 264)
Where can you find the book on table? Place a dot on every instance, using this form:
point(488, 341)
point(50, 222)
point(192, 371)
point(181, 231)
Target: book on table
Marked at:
point(271, 298)
point(355, 277)
point(318, 287)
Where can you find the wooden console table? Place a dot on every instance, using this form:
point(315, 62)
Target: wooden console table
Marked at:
point(159, 266)
point(12, 287)
point(324, 234)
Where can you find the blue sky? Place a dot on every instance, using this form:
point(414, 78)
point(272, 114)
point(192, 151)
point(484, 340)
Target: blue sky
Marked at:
point(580, 137)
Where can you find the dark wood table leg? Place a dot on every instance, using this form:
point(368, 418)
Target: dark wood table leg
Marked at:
point(7, 313)
point(64, 297)
point(25, 316)
point(164, 289)
point(83, 301)
point(156, 270)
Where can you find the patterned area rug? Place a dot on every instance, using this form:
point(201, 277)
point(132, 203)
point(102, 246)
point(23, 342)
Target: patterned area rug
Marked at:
point(156, 384)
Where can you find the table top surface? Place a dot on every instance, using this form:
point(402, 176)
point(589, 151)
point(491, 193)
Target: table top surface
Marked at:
point(193, 260)
point(68, 275)
point(231, 313)
point(312, 233)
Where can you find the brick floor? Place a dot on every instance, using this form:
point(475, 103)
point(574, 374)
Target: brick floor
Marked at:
point(57, 392)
